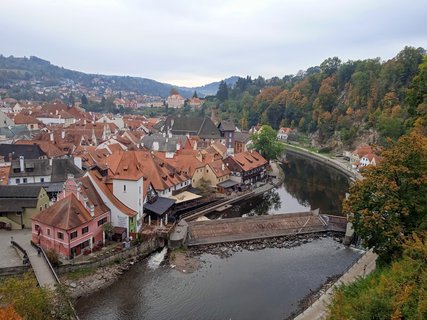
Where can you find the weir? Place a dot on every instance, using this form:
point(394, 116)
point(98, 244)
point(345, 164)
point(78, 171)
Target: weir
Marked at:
point(259, 227)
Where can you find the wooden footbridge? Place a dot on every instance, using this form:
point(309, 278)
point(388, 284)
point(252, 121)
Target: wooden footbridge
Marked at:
point(259, 227)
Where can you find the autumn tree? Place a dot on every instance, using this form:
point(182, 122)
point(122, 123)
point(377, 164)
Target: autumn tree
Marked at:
point(391, 201)
point(267, 144)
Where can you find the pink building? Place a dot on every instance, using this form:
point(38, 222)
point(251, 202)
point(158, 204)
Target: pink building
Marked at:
point(73, 225)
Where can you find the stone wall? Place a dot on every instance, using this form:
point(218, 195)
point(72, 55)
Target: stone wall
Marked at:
point(140, 251)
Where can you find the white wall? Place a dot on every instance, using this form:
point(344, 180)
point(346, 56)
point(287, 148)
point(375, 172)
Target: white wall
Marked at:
point(132, 196)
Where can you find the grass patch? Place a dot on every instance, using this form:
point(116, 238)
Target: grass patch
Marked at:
point(80, 273)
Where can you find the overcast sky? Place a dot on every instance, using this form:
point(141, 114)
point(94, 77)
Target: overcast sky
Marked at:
point(194, 42)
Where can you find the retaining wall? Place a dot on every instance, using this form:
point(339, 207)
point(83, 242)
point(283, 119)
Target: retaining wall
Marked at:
point(141, 250)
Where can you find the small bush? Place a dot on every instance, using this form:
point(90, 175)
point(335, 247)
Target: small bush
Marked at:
point(53, 257)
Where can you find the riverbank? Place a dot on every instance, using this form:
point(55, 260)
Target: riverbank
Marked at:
point(338, 164)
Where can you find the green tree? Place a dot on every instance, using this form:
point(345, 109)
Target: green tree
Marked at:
point(84, 100)
point(195, 94)
point(222, 93)
point(267, 144)
point(108, 229)
point(391, 201)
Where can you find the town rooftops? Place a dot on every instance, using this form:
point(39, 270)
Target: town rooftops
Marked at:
point(21, 191)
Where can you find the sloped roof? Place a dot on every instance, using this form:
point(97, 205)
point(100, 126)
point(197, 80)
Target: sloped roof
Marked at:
point(20, 192)
point(249, 160)
point(49, 148)
point(218, 168)
point(68, 213)
point(226, 126)
point(31, 151)
point(202, 127)
point(243, 137)
point(166, 144)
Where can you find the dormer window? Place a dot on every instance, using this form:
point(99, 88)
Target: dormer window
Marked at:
point(124, 188)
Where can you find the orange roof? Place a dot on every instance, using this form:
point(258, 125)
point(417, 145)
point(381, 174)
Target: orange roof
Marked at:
point(218, 146)
point(362, 150)
point(249, 160)
point(218, 168)
point(50, 149)
point(25, 119)
point(143, 163)
point(124, 166)
point(68, 213)
point(187, 163)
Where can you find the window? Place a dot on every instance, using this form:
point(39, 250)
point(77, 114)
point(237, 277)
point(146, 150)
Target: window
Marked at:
point(36, 227)
point(41, 179)
point(41, 208)
point(18, 180)
point(48, 232)
point(85, 230)
point(73, 235)
point(60, 235)
point(139, 190)
point(45, 205)
point(124, 188)
point(24, 180)
point(102, 221)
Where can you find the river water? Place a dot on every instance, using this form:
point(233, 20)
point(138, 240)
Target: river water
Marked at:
point(264, 284)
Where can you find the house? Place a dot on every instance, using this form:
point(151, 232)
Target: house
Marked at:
point(25, 171)
point(48, 173)
point(227, 130)
point(242, 141)
point(122, 217)
point(31, 122)
point(363, 156)
point(74, 224)
point(195, 103)
point(175, 101)
point(18, 204)
point(283, 133)
point(188, 163)
point(247, 167)
point(216, 172)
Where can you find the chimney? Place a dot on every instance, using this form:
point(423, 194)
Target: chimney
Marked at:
point(50, 161)
point(92, 210)
point(51, 137)
point(85, 201)
point(156, 146)
point(84, 121)
point(62, 134)
point(21, 164)
point(222, 167)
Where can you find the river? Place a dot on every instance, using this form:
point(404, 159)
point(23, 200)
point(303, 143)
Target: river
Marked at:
point(264, 284)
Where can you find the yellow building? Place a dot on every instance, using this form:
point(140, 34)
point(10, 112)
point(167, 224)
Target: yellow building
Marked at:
point(18, 204)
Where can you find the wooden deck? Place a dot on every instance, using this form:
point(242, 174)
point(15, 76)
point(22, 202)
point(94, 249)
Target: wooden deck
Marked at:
point(258, 227)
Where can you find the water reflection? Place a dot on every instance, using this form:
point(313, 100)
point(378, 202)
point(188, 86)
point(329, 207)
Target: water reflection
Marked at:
point(314, 184)
point(308, 185)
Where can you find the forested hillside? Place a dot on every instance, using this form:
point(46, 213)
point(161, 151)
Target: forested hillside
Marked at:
point(334, 103)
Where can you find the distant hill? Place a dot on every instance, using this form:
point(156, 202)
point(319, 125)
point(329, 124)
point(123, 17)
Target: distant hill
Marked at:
point(21, 69)
point(212, 88)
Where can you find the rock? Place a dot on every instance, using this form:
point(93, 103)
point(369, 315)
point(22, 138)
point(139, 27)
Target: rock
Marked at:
point(251, 248)
point(73, 285)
